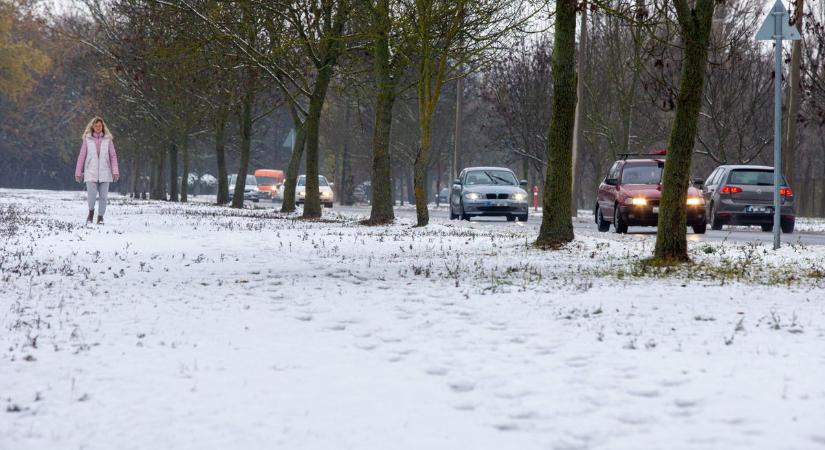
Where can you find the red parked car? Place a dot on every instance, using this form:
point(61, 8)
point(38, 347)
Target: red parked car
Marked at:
point(629, 195)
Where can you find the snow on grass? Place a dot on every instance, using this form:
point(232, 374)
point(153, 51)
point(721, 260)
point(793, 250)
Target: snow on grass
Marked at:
point(195, 326)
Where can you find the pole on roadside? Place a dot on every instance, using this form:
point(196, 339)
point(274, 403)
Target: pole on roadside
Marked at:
point(777, 28)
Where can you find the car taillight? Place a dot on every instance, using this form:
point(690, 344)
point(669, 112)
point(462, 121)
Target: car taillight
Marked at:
point(786, 192)
point(730, 190)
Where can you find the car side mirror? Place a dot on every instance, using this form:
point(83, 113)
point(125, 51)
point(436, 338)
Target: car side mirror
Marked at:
point(523, 183)
point(457, 181)
point(332, 185)
point(698, 182)
point(610, 181)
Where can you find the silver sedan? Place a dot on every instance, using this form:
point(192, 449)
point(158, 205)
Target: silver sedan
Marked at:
point(488, 191)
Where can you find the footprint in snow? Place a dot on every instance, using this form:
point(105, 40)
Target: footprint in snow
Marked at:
point(578, 361)
point(643, 392)
point(337, 327)
point(465, 406)
point(437, 371)
point(367, 345)
point(462, 386)
point(304, 317)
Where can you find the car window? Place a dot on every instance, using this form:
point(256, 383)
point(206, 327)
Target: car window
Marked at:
point(709, 181)
point(614, 171)
point(251, 181)
point(322, 181)
point(644, 173)
point(751, 177)
point(489, 177)
point(266, 180)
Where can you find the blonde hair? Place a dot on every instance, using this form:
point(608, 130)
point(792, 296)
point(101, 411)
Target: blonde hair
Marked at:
point(88, 130)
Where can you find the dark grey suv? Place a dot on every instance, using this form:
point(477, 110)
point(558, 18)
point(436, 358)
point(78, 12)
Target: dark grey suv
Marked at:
point(743, 195)
point(488, 191)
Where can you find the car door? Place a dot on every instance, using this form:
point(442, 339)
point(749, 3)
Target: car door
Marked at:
point(455, 192)
point(710, 187)
point(607, 192)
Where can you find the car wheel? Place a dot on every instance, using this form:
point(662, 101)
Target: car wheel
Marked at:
point(618, 223)
point(453, 215)
point(511, 218)
point(700, 228)
point(787, 227)
point(464, 216)
point(523, 218)
point(715, 223)
point(600, 222)
point(767, 227)
point(328, 205)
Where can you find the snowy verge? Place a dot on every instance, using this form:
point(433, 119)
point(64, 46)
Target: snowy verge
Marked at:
point(196, 326)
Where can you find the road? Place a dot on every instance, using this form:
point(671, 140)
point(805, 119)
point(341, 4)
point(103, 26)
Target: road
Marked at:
point(585, 223)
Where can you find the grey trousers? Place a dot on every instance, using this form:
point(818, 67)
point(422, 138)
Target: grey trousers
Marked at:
point(95, 191)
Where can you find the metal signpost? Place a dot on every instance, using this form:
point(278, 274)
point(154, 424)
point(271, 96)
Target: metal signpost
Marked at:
point(777, 28)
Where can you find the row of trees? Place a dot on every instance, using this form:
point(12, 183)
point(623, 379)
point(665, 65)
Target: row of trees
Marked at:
point(405, 92)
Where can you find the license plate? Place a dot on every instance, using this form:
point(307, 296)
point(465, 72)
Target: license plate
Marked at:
point(501, 203)
point(759, 209)
point(655, 210)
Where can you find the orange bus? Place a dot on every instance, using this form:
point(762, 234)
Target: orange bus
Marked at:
point(268, 181)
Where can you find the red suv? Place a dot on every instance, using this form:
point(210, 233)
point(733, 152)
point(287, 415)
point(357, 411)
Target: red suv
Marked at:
point(629, 196)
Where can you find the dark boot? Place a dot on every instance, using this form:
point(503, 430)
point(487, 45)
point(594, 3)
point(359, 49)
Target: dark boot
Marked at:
point(91, 216)
point(100, 220)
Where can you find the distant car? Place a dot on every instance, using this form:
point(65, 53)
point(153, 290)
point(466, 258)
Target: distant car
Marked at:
point(250, 191)
point(444, 195)
point(363, 192)
point(268, 181)
point(629, 196)
point(488, 191)
point(743, 195)
point(324, 188)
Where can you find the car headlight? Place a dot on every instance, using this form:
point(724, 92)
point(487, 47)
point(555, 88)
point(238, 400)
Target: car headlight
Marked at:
point(636, 201)
point(520, 196)
point(472, 196)
point(301, 193)
point(695, 201)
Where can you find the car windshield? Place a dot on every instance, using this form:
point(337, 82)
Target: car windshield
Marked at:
point(650, 173)
point(504, 177)
point(266, 180)
point(322, 181)
point(251, 181)
point(753, 177)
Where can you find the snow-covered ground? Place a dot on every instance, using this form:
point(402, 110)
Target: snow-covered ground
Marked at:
point(199, 327)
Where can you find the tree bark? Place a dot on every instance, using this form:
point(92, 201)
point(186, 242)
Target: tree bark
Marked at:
point(245, 122)
point(381, 208)
point(312, 199)
point(581, 70)
point(346, 168)
point(298, 142)
point(158, 191)
point(422, 159)
point(220, 156)
point(694, 28)
point(184, 179)
point(789, 134)
point(173, 172)
point(556, 223)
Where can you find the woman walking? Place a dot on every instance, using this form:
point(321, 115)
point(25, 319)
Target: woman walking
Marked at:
point(97, 166)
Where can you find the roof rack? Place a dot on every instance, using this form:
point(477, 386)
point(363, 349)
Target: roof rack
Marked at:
point(657, 154)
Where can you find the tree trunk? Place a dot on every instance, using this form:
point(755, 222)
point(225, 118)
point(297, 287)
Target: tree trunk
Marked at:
point(420, 172)
point(556, 223)
point(298, 142)
point(220, 156)
point(381, 208)
point(694, 27)
point(312, 199)
point(346, 169)
point(173, 172)
point(577, 125)
point(184, 179)
point(789, 134)
point(245, 123)
point(135, 177)
point(459, 113)
point(158, 169)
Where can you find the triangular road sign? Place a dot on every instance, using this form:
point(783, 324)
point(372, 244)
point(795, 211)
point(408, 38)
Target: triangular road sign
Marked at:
point(777, 23)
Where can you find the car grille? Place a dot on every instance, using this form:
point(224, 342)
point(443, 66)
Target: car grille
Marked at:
point(497, 208)
point(498, 196)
